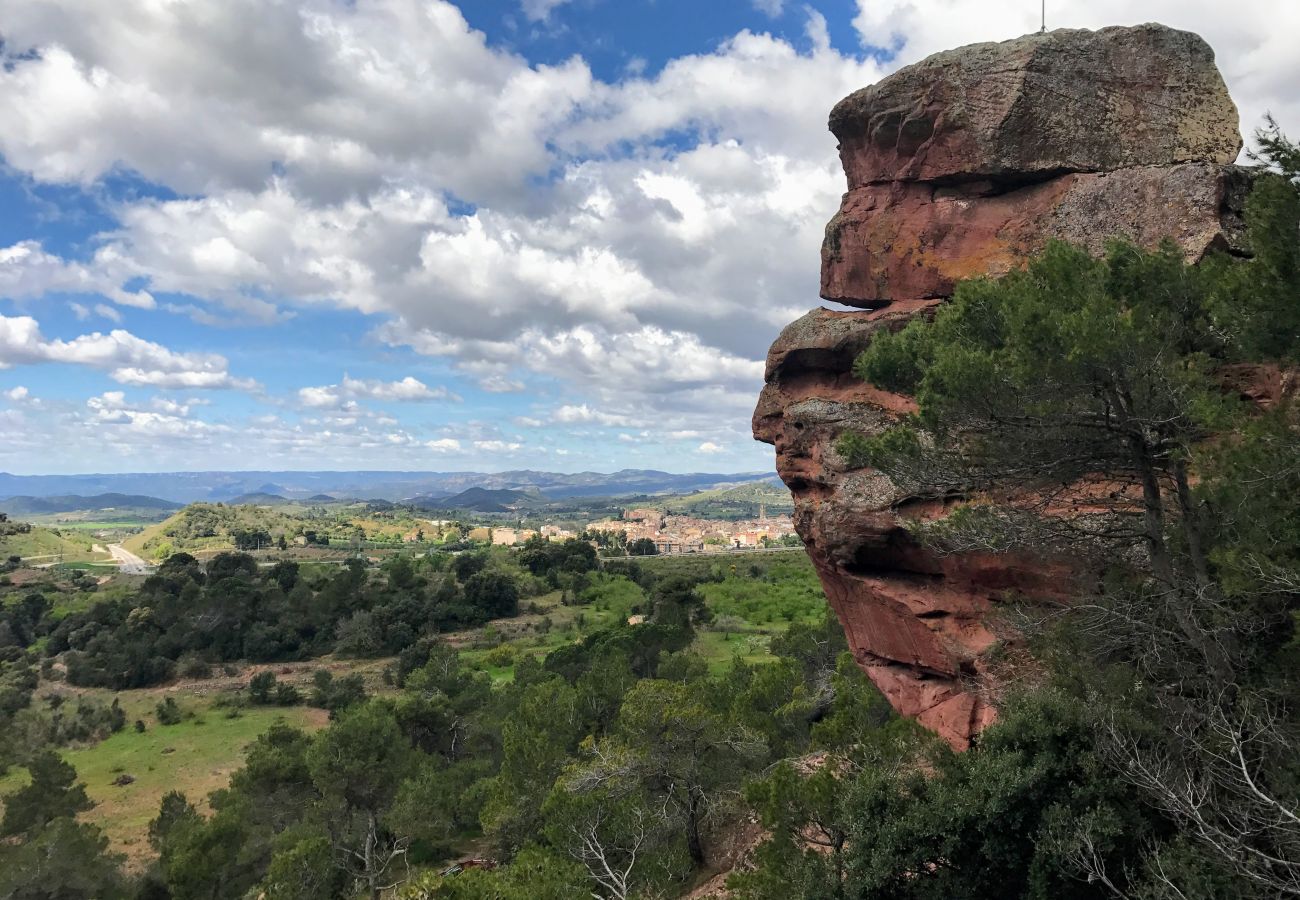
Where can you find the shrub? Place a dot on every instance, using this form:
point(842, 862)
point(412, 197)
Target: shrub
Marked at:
point(169, 712)
point(191, 665)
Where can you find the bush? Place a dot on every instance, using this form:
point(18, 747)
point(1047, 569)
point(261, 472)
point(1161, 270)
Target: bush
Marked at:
point(191, 665)
point(260, 687)
point(169, 712)
point(287, 695)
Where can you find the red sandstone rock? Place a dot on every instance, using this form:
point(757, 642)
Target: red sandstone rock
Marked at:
point(1040, 105)
point(910, 239)
point(963, 165)
point(914, 620)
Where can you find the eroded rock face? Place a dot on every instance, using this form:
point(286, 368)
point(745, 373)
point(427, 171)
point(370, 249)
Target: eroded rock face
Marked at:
point(916, 239)
point(966, 164)
point(1066, 101)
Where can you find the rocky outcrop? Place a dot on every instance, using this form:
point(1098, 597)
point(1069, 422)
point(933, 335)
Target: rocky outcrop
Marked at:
point(1065, 101)
point(966, 164)
point(917, 239)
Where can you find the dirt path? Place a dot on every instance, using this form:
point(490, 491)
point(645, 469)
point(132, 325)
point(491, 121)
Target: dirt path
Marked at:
point(128, 562)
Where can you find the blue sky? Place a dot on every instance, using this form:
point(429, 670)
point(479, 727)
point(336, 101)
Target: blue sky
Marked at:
point(554, 234)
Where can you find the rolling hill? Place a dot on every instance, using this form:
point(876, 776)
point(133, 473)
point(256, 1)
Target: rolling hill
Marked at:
point(27, 505)
point(480, 499)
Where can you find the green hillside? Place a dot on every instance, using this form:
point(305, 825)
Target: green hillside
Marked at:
point(203, 527)
point(38, 545)
point(742, 501)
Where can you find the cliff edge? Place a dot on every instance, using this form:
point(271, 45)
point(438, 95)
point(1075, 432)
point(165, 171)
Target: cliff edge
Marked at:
point(966, 164)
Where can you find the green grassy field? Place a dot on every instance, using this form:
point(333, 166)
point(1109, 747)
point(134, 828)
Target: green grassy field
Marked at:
point(42, 545)
point(195, 756)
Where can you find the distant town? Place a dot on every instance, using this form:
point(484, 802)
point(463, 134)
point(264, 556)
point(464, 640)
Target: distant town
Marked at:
point(668, 533)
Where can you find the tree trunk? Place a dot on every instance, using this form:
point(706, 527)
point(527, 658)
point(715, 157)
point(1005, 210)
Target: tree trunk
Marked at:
point(1191, 526)
point(693, 843)
point(1153, 514)
point(372, 838)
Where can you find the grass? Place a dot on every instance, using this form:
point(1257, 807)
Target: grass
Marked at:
point(45, 545)
point(196, 756)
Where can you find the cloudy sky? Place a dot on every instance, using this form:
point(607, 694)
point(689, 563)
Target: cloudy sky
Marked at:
point(554, 234)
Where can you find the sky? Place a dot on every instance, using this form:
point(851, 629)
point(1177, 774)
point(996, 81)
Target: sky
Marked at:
point(410, 234)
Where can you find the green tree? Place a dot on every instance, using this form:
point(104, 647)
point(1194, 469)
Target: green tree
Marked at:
point(52, 793)
point(358, 764)
point(682, 751)
point(496, 594)
point(302, 867)
point(537, 740)
point(62, 860)
point(535, 874)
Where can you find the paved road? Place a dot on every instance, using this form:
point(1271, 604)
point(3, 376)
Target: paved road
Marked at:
point(128, 561)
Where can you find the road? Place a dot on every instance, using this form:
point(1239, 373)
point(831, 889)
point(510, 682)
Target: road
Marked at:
point(129, 563)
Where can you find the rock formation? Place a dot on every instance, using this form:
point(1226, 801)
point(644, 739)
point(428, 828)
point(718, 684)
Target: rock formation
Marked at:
point(966, 164)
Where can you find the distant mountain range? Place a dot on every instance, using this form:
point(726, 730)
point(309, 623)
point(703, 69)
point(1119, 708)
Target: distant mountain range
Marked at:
point(44, 506)
point(424, 487)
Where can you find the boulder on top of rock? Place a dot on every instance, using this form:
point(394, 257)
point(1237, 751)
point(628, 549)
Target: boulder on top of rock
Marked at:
point(1066, 101)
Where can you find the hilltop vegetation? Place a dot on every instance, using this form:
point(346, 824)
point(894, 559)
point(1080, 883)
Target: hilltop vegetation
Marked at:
point(343, 524)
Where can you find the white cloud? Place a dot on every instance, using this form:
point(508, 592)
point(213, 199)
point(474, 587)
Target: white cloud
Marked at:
point(540, 10)
point(126, 421)
point(709, 447)
point(500, 384)
point(127, 358)
point(342, 395)
point(444, 445)
point(498, 446)
point(108, 312)
point(17, 394)
point(570, 414)
point(771, 8)
point(364, 93)
point(633, 246)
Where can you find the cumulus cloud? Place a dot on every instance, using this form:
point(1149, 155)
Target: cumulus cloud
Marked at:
point(709, 447)
point(17, 394)
point(669, 248)
point(128, 422)
point(406, 390)
point(127, 359)
point(364, 92)
point(634, 244)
